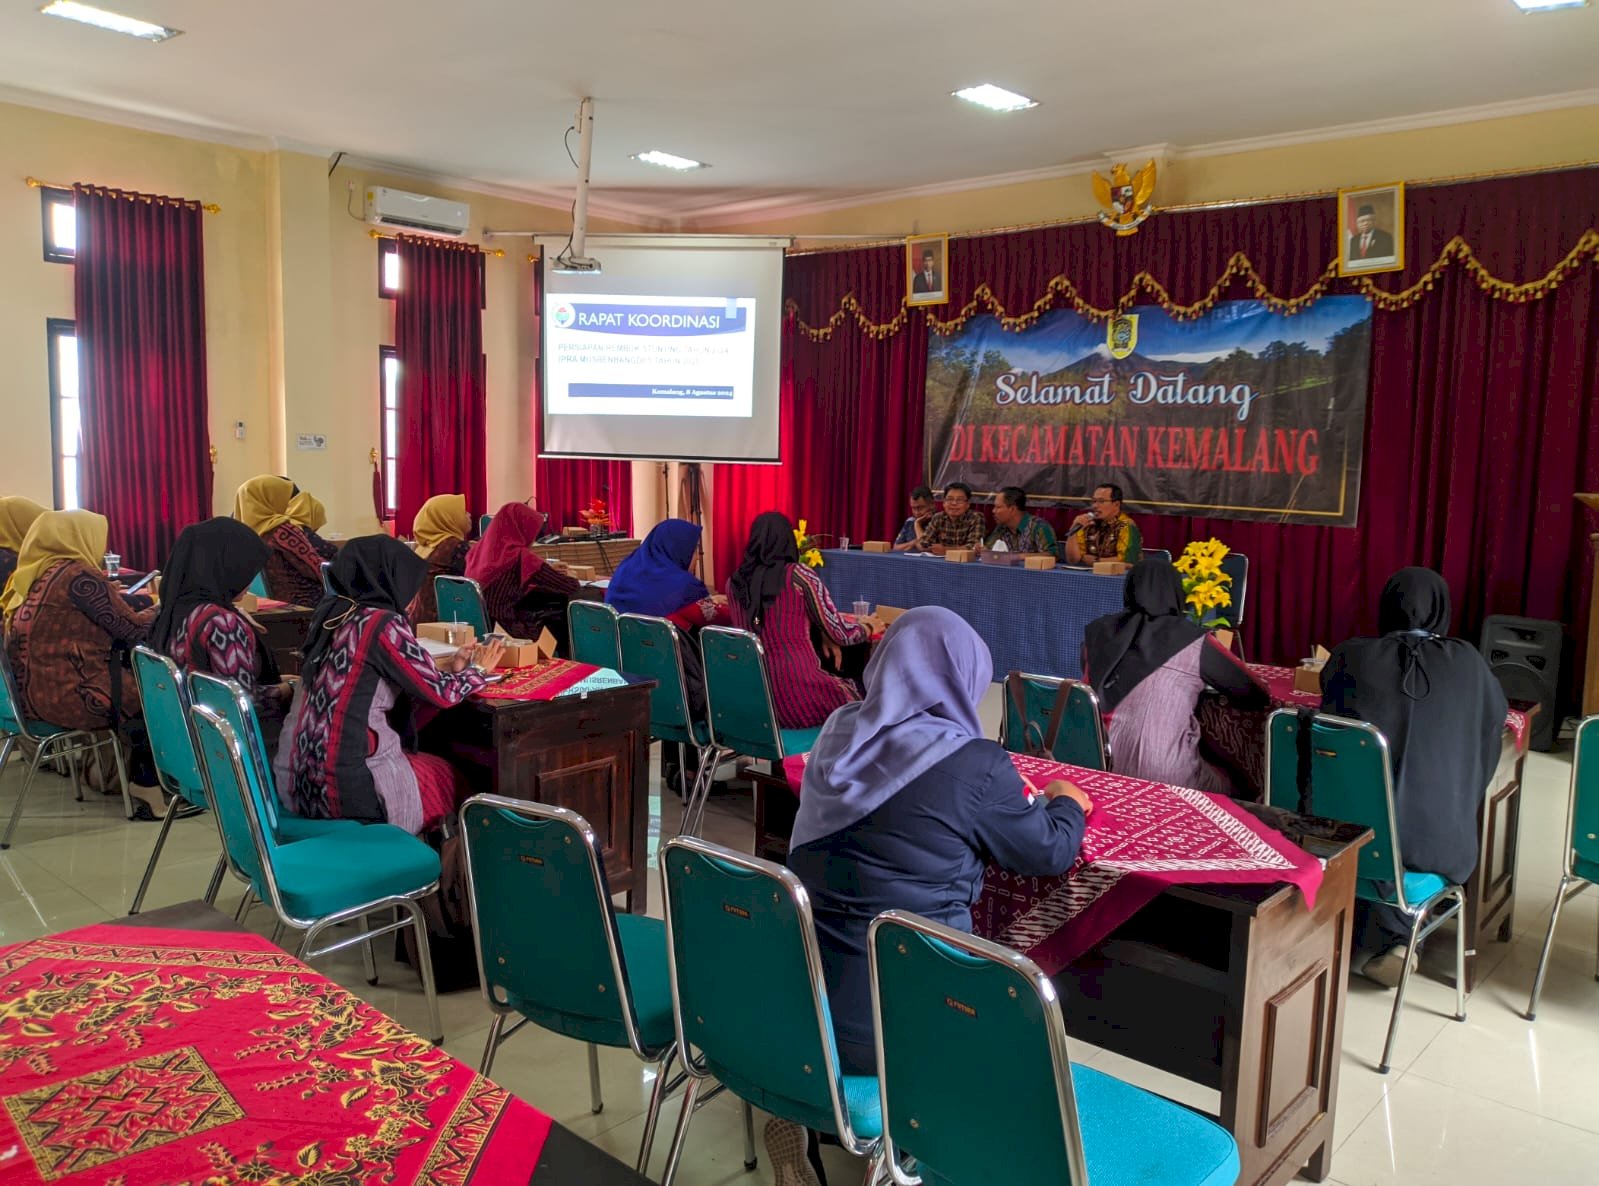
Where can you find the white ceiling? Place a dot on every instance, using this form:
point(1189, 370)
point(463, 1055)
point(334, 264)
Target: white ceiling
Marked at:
point(791, 103)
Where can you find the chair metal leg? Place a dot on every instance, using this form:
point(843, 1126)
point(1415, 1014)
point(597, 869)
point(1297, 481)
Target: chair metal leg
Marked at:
point(155, 855)
point(663, 1073)
point(493, 1044)
point(680, 1134)
point(368, 961)
point(750, 1161)
point(277, 937)
point(244, 904)
point(1399, 993)
point(1565, 891)
point(6, 746)
point(1460, 956)
point(27, 785)
point(122, 775)
point(694, 811)
point(72, 770)
point(424, 957)
point(596, 1102)
point(216, 880)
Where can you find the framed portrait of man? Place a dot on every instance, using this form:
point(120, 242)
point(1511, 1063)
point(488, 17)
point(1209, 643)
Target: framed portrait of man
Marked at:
point(927, 270)
point(1371, 229)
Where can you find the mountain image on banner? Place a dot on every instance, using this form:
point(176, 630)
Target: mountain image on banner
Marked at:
point(1241, 413)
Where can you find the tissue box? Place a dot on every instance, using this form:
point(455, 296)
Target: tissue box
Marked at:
point(456, 634)
point(960, 555)
point(877, 545)
point(1111, 568)
point(522, 652)
point(1042, 561)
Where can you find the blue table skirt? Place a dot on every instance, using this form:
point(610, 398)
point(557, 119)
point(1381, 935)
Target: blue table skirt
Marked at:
point(1032, 621)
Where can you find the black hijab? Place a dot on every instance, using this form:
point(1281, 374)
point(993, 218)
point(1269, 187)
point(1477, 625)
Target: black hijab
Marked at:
point(1440, 708)
point(1122, 650)
point(211, 564)
point(759, 578)
point(374, 572)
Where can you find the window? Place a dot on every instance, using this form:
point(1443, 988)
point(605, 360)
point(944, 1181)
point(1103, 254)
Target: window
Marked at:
point(66, 421)
point(388, 267)
point(60, 225)
point(389, 384)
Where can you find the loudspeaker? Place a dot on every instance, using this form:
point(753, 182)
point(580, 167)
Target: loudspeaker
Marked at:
point(1524, 653)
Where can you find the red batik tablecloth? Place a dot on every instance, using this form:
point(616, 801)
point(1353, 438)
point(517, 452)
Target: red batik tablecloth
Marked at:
point(134, 1057)
point(551, 679)
point(1238, 735)
point(1142, 837)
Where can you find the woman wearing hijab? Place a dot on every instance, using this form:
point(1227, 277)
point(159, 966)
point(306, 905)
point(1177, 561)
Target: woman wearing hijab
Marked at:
point(345, 758)
point(1443, 713)
point(1149, 664)
point(904, 805)
point(16, 516)
point(442, 528)
point(520, 591)
point(294, 567)
point(787, 605)
point(308, 514)
point(63, 619)
point(656, 579)
point(201, 629)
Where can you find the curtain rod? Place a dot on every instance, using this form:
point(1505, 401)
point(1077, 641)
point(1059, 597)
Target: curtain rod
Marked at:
point(496, 252)
point(208, 207)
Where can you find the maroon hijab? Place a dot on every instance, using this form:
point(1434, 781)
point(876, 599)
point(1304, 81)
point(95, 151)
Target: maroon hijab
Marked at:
point(504, 547)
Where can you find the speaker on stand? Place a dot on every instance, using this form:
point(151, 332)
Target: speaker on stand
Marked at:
point(1524, 654)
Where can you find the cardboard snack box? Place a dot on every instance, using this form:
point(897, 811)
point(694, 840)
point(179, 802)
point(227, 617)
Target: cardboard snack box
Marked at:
point(877, 545)
point(1307, 676)
point(580, 572)
point(1111, 568)
point(455, 634)
point(248, 602)
point(887, 614)
point(523, 652)
point(960, 555)
point(1041, 561)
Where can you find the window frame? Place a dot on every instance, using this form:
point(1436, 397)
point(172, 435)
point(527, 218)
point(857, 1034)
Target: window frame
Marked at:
point(49, 196)
point(57, 328)
point(386, 248)
point(385, 353)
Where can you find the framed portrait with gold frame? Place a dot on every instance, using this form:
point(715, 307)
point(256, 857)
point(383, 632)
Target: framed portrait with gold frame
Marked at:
point(1371, 229)
point(927, 270)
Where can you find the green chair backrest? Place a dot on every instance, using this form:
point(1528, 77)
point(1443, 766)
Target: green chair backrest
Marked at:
point(230, 702)
point(747, 980)
point(1158, 554)
point(547, 943)
point(483, 523)
point(972, 1058)
point(164, 696)
point(650, 648)
point(258, 586)
point(235, 804)
point(1081, 740)
point(738, 694)
point(461, 600)
point(593, 628)
point(1351, 779)
point(1584, 809)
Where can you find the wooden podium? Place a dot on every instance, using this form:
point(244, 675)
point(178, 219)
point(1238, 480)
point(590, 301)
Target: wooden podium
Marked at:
point(1590, 678)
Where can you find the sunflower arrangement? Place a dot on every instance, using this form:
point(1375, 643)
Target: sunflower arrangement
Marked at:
point(810, 555)
point(1204, 582)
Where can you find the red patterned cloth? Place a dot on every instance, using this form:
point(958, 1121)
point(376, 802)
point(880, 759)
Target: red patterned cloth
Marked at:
point(441, 786)
point(542, 681)
point(1238, 735)
point(1142, 837)
point(144, 1057)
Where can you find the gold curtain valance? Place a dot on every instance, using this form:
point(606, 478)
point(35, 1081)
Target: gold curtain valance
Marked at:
point(1061, 292)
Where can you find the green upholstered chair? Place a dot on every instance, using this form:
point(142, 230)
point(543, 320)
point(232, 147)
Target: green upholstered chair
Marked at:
point(1080, 740)
point(51, 743)
point(593, 628)
point(318, 883)
point(1581, 868)
point(652, 647)
point(461, 600)
point(552, 950)
point(974, 1072)
point(327, 585)
point(742, 717)
point(1351, 779)
point(749, 1000)
point(483, 524)
point(258, 586)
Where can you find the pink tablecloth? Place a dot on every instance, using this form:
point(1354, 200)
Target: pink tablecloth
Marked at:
point(1142, 838)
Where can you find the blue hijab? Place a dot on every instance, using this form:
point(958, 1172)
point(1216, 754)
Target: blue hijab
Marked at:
point(923, 687)
point(655, 579)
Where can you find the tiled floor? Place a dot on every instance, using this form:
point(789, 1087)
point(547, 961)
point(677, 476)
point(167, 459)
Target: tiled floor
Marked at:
point(1494, 1100)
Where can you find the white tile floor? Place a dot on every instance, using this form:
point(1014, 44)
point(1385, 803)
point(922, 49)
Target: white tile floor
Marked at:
point(1494, 1100)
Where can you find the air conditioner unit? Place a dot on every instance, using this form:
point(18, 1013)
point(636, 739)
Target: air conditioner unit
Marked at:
point(417, 212)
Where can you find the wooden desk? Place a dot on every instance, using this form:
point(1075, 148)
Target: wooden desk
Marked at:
point(588, 753)
point(602, 555)
point(286, 629)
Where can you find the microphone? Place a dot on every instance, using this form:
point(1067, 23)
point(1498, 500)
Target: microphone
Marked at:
point(1076, 527)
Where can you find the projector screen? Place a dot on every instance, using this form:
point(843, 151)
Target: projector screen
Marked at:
point(669, 354)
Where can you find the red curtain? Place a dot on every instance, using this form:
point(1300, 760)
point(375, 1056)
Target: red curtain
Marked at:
point(1481, 414)
point(562, 486)
point(139, 296)
point(438, 337)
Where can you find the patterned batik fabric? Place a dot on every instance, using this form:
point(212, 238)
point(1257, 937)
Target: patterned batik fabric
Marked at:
point(1118, 539)
point(448, 559)
point(803, 693)
point(219, 642)
point(145, 1057)
point(294, 568)
point(524, 610)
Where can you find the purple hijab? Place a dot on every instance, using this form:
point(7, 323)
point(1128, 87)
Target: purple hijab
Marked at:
point(923, 687)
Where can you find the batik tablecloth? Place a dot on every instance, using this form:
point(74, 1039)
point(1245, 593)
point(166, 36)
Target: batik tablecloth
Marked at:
point(1142, 838)
point(552, 680)
point(146, 1057)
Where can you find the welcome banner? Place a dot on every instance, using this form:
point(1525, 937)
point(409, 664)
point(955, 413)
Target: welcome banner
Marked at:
point(1243, 413)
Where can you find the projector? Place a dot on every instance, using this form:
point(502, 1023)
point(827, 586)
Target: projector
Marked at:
point(576, 265)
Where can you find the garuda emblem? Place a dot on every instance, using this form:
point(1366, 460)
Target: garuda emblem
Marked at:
point(1126, 200)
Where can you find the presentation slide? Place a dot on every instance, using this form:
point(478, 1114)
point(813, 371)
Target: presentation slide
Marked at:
point(618, 355)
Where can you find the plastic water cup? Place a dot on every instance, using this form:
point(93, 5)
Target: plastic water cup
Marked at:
point(843, 543)
point(113, 564)
point(863, 609)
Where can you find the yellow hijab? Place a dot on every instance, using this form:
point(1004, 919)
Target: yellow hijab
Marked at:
point(262, 504)
point(55, 535)
point(442, 517)
point(16, 516)
point(307, 511)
